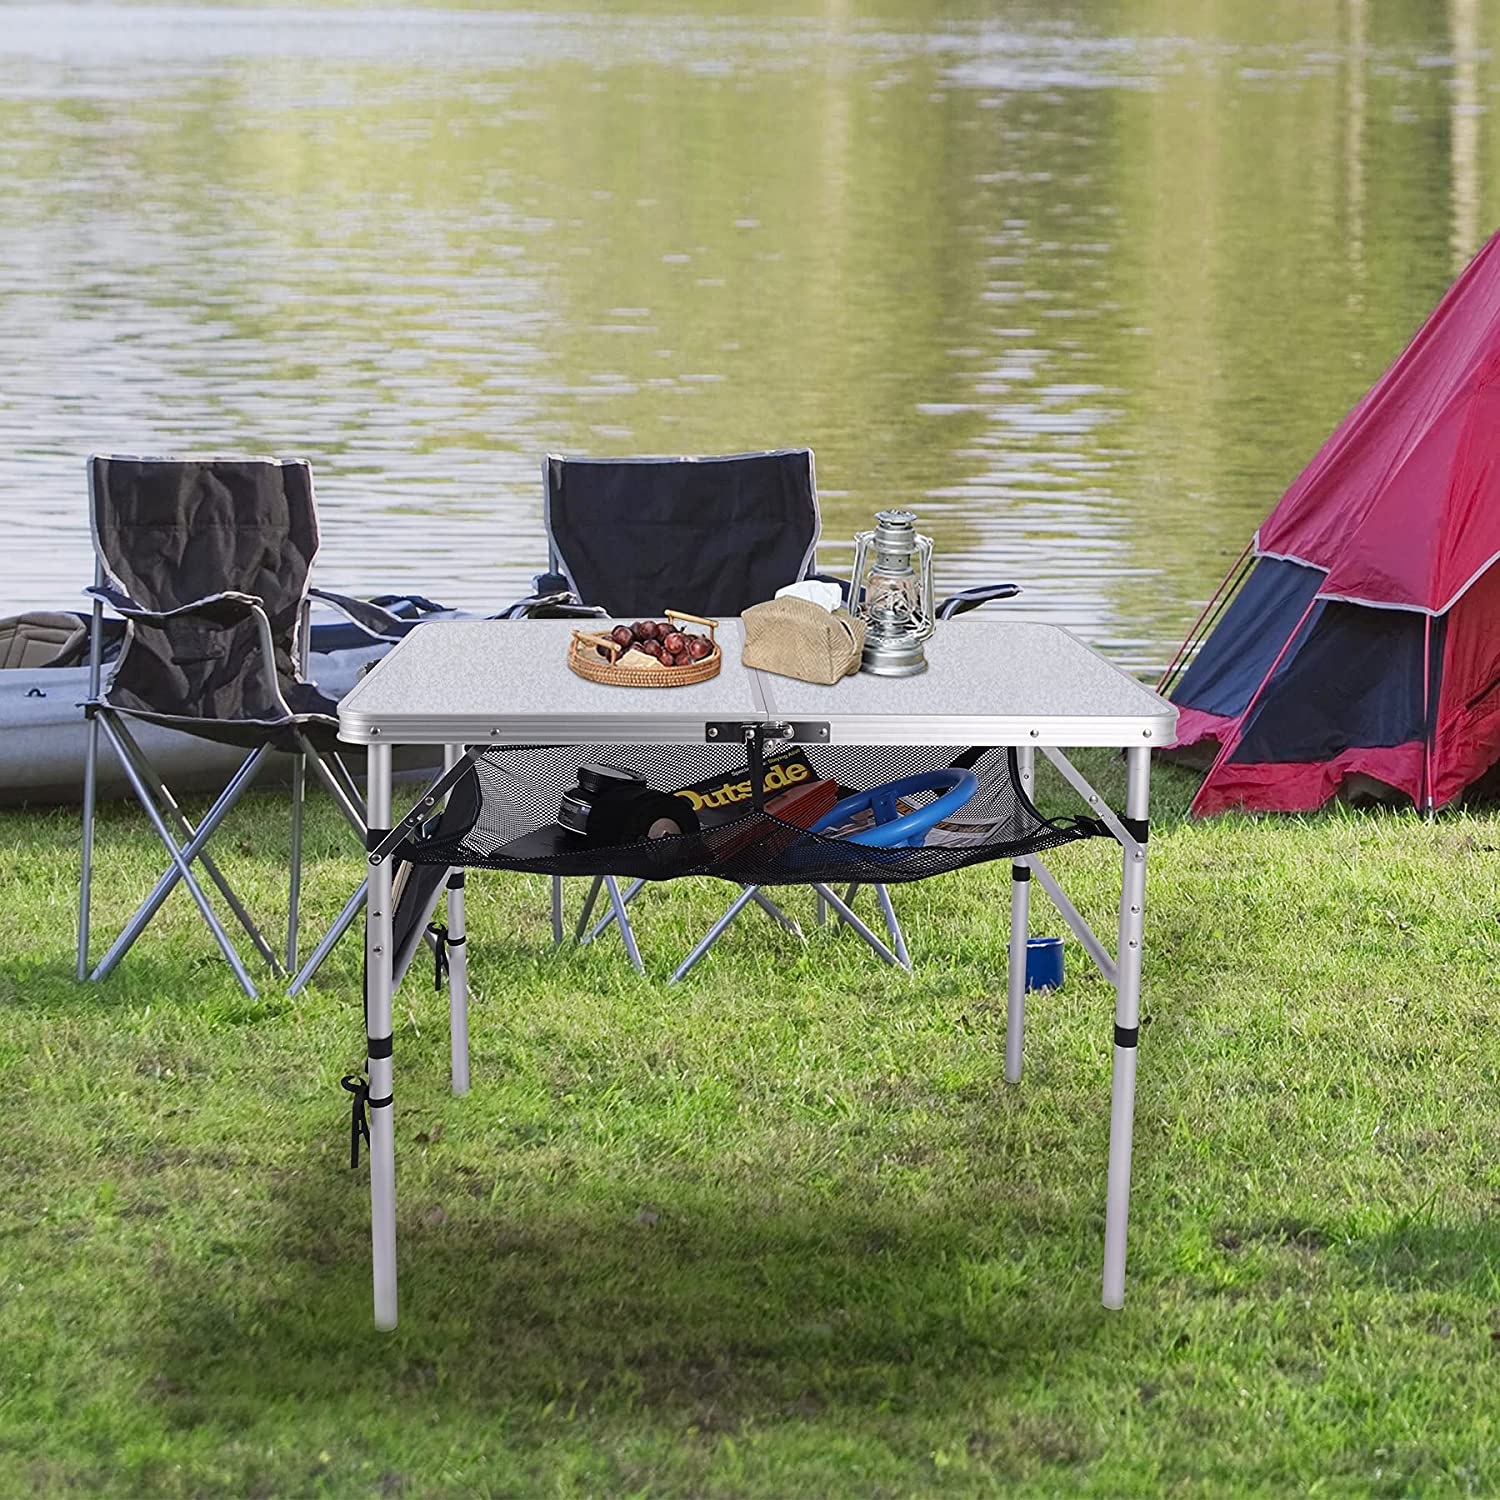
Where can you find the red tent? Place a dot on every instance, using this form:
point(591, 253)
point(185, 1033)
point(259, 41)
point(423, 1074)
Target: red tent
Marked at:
point(1359, 636)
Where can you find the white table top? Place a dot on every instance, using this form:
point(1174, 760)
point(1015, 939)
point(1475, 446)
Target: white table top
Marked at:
point(989, 682)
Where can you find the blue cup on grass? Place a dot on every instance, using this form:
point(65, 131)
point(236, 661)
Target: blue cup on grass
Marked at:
point(1044, 963)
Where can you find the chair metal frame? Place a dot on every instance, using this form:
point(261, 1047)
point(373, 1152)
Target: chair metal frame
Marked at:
point(187, 844)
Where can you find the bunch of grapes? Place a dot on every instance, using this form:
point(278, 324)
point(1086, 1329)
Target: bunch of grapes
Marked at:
point(669, 645)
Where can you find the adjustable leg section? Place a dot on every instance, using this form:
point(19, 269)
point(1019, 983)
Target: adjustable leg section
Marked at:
point(1020, 931)
point(1127, 1025)
point(457, 947)
point(458, 965)
point(380, 1090)
point(1015, 984)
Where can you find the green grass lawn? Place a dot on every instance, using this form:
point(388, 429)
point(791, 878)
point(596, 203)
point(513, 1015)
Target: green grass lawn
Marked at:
point(782, 1230)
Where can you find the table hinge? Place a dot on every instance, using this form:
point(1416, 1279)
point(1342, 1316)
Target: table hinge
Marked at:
point(742, 731)
point(424, 808)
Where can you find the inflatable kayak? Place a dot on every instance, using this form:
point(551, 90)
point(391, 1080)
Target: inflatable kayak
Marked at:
point(44, 680)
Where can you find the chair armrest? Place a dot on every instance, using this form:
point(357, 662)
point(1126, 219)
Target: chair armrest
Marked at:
point(223, 610)
point(227, 611)
point(982, 593)
point(561, 605)
point(418, 604)
point(376, 622)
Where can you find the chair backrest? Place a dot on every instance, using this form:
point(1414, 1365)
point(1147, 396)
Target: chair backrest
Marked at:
point(169, 531)
point(709, 535)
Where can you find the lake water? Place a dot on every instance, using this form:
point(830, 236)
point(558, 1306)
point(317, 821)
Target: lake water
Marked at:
point(1084, 283)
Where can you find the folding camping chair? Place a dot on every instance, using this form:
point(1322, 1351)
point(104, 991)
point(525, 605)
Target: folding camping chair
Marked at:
point(208, 561)
point(632, 537)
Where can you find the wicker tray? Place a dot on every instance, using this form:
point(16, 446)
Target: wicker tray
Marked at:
point(586, 662)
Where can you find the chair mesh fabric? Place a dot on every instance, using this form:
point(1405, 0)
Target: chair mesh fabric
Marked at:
point(170, 532)
point(709, 535)
point(511, 796)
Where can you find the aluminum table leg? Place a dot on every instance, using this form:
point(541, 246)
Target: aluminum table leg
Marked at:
point(458, 962)
point(378, 957)
point(1020, 930)
point(1127, 1029)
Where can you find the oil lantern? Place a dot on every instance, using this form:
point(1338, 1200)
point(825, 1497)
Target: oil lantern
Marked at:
point(892, 582)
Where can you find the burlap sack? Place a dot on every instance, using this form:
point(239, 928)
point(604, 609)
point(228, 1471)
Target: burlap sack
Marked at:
point(797, 638)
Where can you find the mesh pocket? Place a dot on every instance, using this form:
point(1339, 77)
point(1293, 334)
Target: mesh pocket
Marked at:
point(508, 801)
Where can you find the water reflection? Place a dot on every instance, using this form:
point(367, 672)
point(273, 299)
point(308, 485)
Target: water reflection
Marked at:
point(1086, 289)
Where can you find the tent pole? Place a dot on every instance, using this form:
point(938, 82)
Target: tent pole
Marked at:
point(1193, 634)
point(1429, 723)
point(1236, 734)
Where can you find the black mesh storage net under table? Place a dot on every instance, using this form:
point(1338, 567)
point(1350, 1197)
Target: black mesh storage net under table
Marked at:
point(503, 815)
point(518, 726)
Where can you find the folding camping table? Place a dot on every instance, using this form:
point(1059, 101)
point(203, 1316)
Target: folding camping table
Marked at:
point(992, 683)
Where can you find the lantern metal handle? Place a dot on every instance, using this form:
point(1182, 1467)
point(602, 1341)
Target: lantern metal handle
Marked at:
point(929, 609)
point(857, 573)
